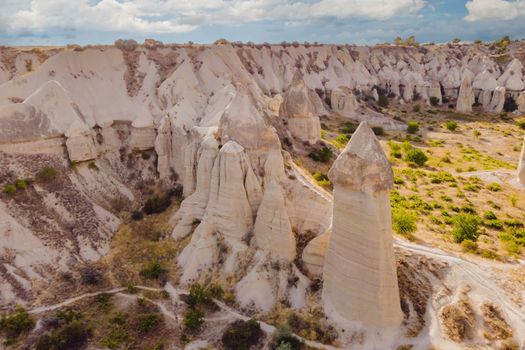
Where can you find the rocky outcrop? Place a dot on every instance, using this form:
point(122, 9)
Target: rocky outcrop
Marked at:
point(512, 78)
point(360, 281)
point(273, 231)
point(80, 142)
point(299, 110)
point(343, 101)
point(465, 97)
point(143, 133)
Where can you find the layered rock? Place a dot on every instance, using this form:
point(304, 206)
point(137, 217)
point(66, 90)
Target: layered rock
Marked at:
point(300, 111)
point(360, 281)
point(315, 253)
point(273, 231)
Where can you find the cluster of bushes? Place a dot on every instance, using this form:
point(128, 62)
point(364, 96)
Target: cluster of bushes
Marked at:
point(198, 298)
point(153, 271)
point(404, 222)
point(322, 155)
point(15, 324)
point(466, 226)
point(283, 339)
point(413, 156)
point(451, 125)
point(72, 335)
point(18, 185)
point(158, 204)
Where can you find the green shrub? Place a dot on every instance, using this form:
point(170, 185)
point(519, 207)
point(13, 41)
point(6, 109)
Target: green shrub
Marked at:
point(469, 246)
point(416, 108)
point(521, 123)
point(198, 295)
point(47, 174)
point(9, 189)
point(157, 204)
point(378, 130)
point(71, 336)
point(412, 127)
point(284, 337)
point(193, 320)
point(137, 215)
point(341, 140)
point(442, 176)
point(242, 335)
point(383, 101)
point(322, 155)
point(466, 226)
point(348, 128)
point(322, 179)
point(153, 271)
point(21, 184)
point(404, 222)
point(489, 215)
point(451, 125)
point(434, 101)
point(494, 187)
point(14, 324)
point(416, 156)
point(148, 322)
point(495, 224)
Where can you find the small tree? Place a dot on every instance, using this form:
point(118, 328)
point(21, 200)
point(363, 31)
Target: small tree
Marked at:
point(404, 222)
point(434, 101)
point(412, 127)
point(416, 156)
point(242, 335)
point(466, 226)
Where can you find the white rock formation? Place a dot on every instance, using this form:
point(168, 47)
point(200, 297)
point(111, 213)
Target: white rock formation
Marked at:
point(521, 102)
point(80, 142)
point(314, 253)
point(273, 231)
point(521, 165)
point(343, 101)
point(498, 100)
point(164, 148)
point(143, 133)
point(360, 281)
point(465, 97)
point(299, 110)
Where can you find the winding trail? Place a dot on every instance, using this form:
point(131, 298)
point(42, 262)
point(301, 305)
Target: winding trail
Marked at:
point(174, 294)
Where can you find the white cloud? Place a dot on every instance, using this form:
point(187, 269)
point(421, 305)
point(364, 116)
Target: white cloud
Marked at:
point(177, 16)
point(480, 10)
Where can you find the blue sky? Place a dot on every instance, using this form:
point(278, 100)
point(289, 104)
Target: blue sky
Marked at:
point(58, 22)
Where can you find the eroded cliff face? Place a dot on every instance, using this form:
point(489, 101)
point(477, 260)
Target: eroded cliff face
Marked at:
point(216, 120)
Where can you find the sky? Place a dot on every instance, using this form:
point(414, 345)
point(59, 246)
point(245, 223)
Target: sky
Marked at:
point(60, 22)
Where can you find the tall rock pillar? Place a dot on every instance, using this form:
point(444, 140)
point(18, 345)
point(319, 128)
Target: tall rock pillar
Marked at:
point(360, 280)
point(521, 165)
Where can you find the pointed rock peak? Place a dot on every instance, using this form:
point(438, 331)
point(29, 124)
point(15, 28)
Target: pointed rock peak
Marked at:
point(232, 147)
point(362, 166)
point(77, 128)
point(298, 78)
point(209, 142)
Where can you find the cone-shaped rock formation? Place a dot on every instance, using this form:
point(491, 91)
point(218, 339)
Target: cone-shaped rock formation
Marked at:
point(360, 281)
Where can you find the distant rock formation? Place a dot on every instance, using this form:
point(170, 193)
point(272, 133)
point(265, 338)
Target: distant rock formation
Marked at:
point(465, 97)
point(360, 281)
point(343, 101)
point(299, 109)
